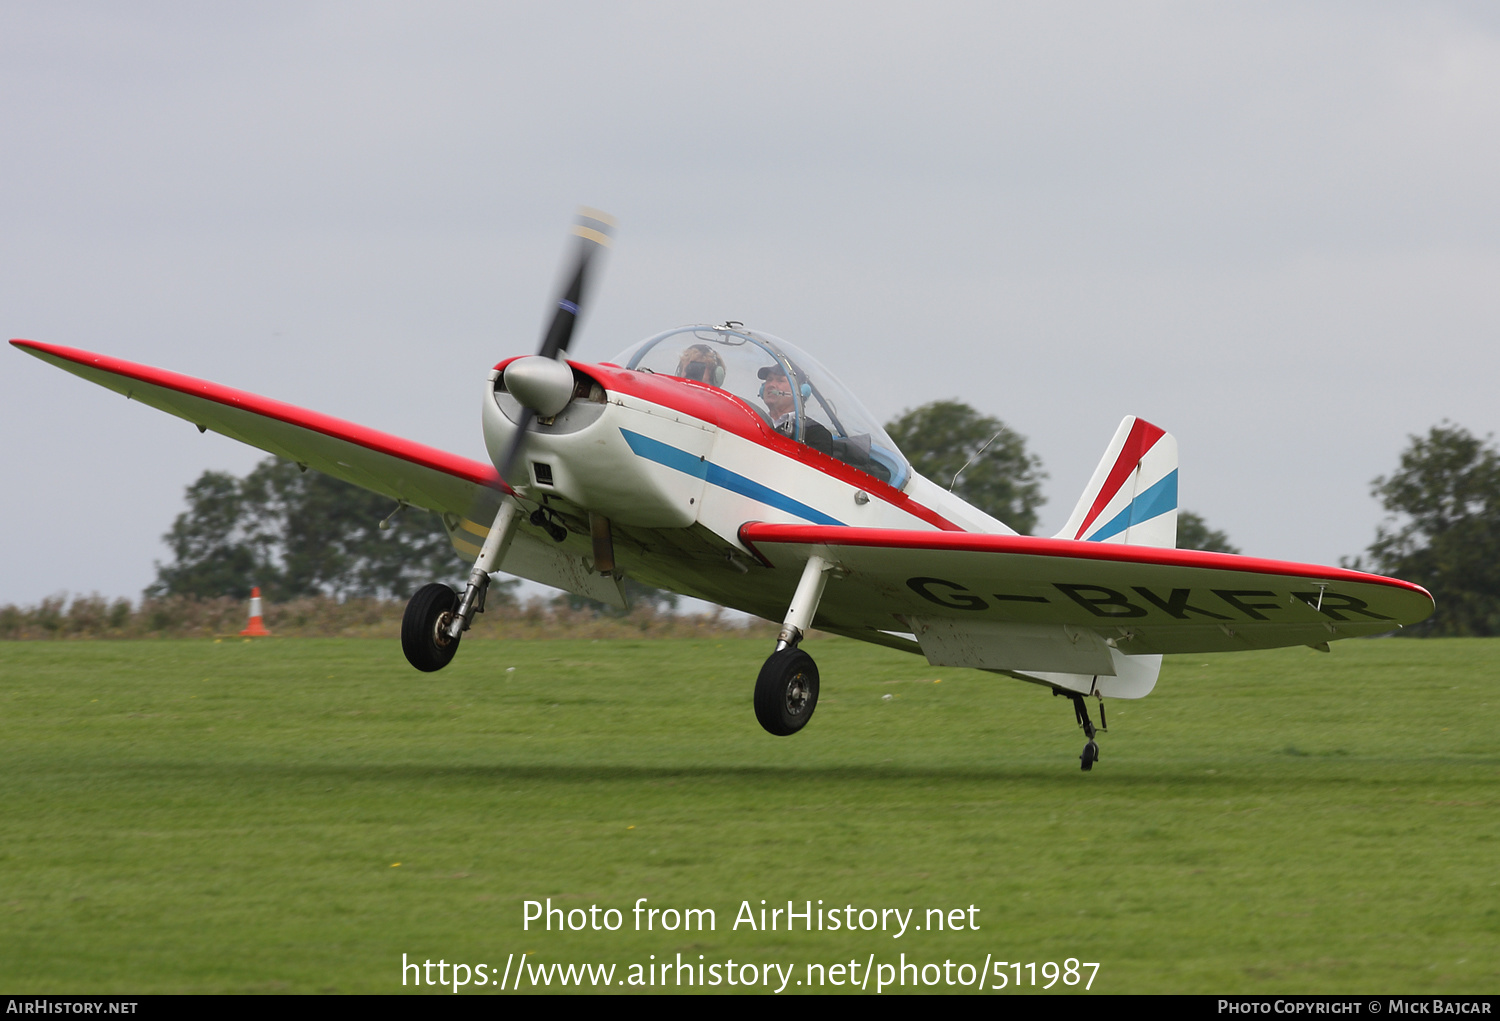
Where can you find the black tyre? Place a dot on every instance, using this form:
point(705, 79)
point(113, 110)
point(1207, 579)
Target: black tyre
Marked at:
point(424, 636)
point(1089, 757)
point(786, 692)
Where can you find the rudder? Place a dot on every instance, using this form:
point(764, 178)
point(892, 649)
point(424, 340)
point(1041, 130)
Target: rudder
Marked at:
point(1132, 497)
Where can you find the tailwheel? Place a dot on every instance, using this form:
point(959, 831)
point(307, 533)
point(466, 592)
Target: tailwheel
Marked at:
point(425, 625)
point(1081, 712)
point(786, 692)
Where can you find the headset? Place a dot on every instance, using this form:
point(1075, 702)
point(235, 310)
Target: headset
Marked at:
point(704, 370)
point(805, 389)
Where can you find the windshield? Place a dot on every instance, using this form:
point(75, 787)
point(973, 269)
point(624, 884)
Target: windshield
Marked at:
point(790, 390)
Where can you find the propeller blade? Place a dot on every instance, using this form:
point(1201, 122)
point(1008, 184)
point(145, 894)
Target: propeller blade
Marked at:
point(527, 417)
point(593, 230)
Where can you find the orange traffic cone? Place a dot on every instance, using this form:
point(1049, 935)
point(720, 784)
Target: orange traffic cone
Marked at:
point(257, 628)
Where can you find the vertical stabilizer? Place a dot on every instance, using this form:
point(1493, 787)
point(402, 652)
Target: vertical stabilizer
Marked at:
point(1132, 497)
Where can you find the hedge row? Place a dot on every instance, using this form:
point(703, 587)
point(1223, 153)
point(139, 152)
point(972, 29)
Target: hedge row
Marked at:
point(94, 617)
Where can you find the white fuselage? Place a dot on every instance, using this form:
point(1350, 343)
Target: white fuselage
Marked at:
point(678, 467)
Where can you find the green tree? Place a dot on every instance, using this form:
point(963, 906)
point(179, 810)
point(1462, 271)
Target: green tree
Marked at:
point(297, 533)
point(1193, 533)
point(215, 548)
point(1444, 533)
point(994, 472)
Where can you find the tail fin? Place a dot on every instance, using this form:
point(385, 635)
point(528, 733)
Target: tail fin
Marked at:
point(1132, 497)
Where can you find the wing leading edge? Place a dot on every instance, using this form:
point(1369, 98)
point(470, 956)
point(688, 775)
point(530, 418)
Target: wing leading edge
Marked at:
point(422, 476)
point(1019, 603)
point(462, 491)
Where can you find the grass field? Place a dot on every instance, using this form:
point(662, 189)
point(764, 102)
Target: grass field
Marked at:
point(198, 816)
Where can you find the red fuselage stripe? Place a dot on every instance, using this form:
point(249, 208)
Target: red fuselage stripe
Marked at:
point(417, 453)
point(726, 411)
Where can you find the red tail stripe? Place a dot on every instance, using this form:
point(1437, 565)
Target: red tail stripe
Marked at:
point(1143, 436)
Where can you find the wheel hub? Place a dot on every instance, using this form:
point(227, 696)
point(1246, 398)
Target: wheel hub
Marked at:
point(440, 635)
point(796, 696)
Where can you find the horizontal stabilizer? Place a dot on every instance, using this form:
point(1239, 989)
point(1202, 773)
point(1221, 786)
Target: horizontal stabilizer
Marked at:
point(1134, 677)
point(1061, 656)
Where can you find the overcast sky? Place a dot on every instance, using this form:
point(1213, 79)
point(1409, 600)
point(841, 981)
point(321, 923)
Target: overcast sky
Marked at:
point(1271, 229)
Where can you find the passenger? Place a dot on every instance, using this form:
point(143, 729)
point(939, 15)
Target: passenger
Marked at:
point(702, 364)
point(776, 392)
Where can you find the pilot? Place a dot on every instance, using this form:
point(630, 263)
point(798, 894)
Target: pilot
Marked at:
point(776, 392)
point(703, 364)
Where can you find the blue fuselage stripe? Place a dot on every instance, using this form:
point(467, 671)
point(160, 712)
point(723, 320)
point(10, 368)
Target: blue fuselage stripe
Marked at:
point(680, 460)
point(1159, 499)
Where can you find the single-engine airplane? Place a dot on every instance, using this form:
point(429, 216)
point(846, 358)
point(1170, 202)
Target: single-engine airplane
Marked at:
point(724, 463)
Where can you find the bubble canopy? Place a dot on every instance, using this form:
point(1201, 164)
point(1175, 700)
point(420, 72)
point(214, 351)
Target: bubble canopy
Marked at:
point(785, 385)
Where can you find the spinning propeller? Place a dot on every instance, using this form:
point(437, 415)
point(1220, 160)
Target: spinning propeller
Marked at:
point(542, 383)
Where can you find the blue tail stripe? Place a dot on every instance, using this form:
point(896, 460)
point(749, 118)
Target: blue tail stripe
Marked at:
point(689, 464)
point(1157, 500)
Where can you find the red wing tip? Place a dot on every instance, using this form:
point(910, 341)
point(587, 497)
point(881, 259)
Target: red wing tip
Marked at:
point(38, 347)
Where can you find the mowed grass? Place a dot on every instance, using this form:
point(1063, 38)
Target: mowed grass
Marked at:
point(197, 816)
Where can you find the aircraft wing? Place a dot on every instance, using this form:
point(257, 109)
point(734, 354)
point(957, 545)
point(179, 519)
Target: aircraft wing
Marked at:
point(1018, 602)
point(463, 492)
point(423, 476)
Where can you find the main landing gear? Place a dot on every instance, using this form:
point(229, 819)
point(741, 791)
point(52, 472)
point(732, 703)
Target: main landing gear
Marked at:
point(1080, 710)
point(436, 617)
point(786, 692)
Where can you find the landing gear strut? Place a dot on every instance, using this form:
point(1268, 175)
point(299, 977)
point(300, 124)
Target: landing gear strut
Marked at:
point(436, 617)
point(786, 692)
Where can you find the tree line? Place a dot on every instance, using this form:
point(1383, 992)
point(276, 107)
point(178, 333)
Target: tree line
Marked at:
point(300, 533)
point(296, 533)
point(1444, 528)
